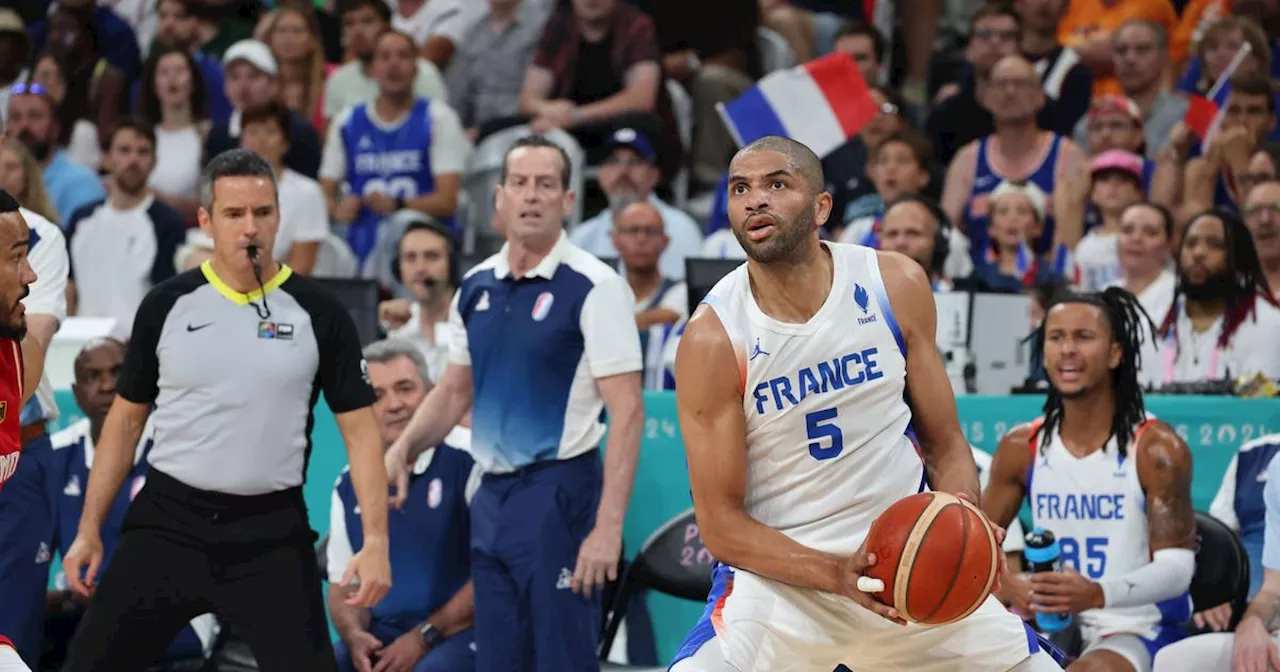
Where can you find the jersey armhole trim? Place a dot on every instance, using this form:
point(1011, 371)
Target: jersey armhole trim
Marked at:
point(1033, 446)
point(882, 297)
point(735, 340)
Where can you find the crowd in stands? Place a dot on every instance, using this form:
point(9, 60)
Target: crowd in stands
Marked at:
point(1018, 147)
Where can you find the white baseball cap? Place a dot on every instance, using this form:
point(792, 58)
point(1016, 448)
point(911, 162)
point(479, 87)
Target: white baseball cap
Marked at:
point(256, 53)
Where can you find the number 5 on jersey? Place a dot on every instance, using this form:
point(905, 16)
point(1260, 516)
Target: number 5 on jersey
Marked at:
point(821, 427)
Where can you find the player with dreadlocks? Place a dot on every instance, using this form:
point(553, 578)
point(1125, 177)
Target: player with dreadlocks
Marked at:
point(1224, 317)
point(1111, 482)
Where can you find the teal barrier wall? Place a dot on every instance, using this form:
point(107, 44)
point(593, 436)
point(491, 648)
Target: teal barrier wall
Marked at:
point(1213, 427)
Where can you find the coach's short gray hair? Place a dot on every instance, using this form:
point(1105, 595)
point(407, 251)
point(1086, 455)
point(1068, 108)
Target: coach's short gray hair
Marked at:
point(388, 349)
point(233, 163)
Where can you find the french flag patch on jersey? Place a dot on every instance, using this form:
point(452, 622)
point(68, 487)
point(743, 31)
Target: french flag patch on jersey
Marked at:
point(542, 306)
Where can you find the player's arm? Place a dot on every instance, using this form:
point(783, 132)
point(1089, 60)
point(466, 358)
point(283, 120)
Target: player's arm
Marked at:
point(947, 456)
point(1164, 472)
point(714, 429)
point(1007, 484)
point(1001, 499)
point(35, 347)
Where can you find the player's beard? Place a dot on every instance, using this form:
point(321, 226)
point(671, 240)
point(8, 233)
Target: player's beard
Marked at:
point(1220, 285)
point(785, 245)
point(11, 328)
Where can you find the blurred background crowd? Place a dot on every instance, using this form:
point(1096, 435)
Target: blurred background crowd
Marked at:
point(1050, 142)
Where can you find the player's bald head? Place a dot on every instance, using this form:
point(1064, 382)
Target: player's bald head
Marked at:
point(800, 159)
point(1013, 67)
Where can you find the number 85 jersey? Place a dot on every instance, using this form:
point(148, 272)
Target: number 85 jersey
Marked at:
point(829, 438)
point(1096, 508)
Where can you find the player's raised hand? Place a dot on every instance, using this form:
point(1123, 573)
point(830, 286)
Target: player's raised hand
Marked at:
point(854, 568)
point(81, 563)
point(1253, 649)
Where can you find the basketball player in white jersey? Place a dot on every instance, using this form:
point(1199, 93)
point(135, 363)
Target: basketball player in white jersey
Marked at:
point(792, 389)
point(1112, 483)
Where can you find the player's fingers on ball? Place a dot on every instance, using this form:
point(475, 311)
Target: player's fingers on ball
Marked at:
point(1198, 619)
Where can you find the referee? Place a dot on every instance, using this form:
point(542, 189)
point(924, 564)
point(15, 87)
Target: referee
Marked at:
point(233, 356)
point(544, 339)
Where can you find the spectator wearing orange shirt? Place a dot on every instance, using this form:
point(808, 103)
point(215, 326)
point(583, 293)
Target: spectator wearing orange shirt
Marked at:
point(1087, 28)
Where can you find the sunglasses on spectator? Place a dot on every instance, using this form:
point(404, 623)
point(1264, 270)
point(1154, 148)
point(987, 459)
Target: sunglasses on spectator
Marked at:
point(25, 88)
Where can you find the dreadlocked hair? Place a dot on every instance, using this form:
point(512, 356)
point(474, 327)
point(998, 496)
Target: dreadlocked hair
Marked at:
point(1242, 261)
point(1130, 325)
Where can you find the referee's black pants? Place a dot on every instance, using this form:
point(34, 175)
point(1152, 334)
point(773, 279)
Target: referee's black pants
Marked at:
point(186, 552)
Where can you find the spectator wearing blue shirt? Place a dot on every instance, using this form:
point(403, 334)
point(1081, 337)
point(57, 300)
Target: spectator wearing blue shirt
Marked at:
point(544, 341)
point(424, 622)
point(33, 121)
point(1253, 645)
point(629, 173)
point(396, 152)
point(96, 368)
point(115, 39)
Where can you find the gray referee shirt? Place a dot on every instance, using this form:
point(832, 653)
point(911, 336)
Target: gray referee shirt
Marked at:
point(233, 391)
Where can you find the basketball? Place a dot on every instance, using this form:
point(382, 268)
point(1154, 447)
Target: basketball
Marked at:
point(937, 556)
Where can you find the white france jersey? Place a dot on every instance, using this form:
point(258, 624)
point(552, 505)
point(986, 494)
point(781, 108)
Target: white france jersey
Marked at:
point(828, 429)
point(1096, 508)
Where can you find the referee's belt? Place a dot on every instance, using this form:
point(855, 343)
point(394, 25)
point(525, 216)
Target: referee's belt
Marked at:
point(32, 431)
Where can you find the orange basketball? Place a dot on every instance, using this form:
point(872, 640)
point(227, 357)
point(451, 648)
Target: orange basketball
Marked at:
point(936, 555)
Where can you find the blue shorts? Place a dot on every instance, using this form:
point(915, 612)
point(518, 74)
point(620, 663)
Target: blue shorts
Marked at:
point(526, 528)
point(26, 547)
point(456, 654)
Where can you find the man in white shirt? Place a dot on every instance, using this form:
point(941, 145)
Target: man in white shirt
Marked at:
point(304, 223)
point(122, 246)
point(661, 302)
point(353, 83)
point(1224, 319)
point(398, 151)
point(435, 25)
point(427, 265)
point(629, 174)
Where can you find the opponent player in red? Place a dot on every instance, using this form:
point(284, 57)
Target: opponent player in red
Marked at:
point(16, 383)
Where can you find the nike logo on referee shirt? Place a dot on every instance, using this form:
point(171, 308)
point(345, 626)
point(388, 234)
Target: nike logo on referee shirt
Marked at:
point(192, 327)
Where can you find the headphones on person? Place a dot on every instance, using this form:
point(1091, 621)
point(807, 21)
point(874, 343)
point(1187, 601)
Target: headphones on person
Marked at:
point(941, 238)
point(423, 224)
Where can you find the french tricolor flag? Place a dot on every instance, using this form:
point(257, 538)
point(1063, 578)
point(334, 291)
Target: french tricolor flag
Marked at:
point(821, 104)
point(1205, 113)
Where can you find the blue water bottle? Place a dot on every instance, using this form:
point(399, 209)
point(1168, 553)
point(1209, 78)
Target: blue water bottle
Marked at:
point(1043, 554)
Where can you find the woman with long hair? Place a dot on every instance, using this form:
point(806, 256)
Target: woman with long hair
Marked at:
point(173, 98)
point(293, 35)
point(20, 176)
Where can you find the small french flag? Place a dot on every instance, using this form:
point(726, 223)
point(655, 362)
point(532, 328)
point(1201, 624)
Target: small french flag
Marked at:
point(1205, 113)
point(821, 104)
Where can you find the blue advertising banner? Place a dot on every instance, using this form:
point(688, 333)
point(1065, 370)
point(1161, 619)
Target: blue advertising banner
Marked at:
point(1214, 428)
